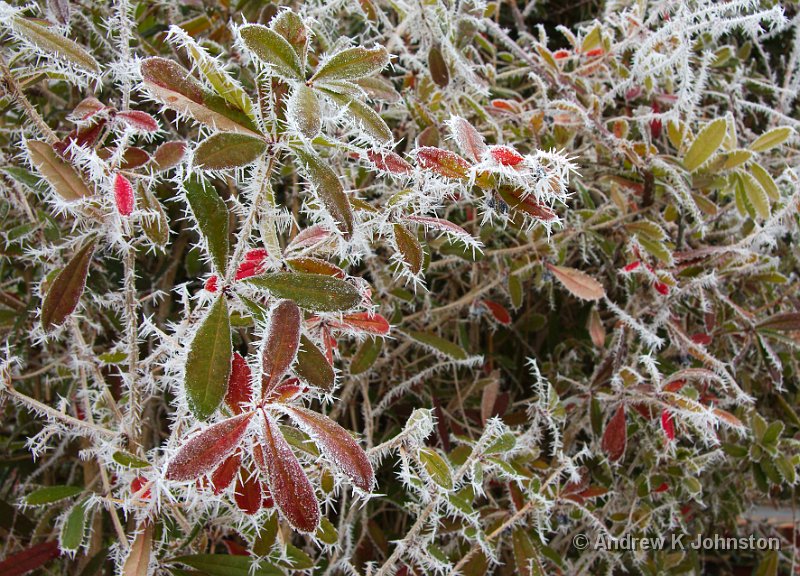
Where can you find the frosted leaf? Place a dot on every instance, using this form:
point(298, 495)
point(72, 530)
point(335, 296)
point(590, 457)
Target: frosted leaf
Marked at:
point(293, 494)
point(337, 445)
point(203, 452)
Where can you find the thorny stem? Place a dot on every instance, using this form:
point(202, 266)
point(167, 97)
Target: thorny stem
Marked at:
point(417, 527)
point(25, 104)
point(52, 412)
point(264, 194)
point(132, 333)
point(87, 407)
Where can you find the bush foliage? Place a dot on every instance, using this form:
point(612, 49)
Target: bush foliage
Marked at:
point(375, 288)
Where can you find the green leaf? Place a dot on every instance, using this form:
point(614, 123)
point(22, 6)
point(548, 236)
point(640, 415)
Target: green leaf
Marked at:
point(129, 460)
point(297, 559)
point(438, 66)
point(505, 443)
point(51, 494)
point(65, 290)
point(226, 150)
point(705, 144)
point(330, 191)
point(227, 565)
point(352, 64)
point(327, 532)
point(378, 88)
point(771, 139)
point(304, 109)
point(154, 223)
point(768, 565)
point(436, 467)
point(765, 179)
point(369, 120)
point(273, 49)
point(409, 247)
point(291, 27)
point(25, 177)
point(366, 355)
point(209, 362)
point(74, 527)
point(211, 214)
point(318, 292)
point(756, 195)
point(219, 78)
point(439, 344)
point(173, 85)
point(312, 366)
point(525, 555)
point(64, 179)
point(54, 43)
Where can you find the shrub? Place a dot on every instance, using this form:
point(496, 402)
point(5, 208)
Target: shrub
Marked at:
point(398, 288)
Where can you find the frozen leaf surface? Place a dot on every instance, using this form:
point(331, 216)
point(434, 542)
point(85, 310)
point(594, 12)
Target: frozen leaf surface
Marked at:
point(207, 449)
point(208, 364)
point(337, 445)
point(288, 483)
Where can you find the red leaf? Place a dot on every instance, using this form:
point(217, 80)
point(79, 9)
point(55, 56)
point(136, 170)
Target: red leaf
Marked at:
point(663, 487)
point(506, 155)
point(257, 255)
point(287, 391)
point(443, 162)
point(248, 492)
point(253, 264)
point(366, 322)
point(235, 549)
point(655, 128)
point(309, 237)
point(668, 424)
point(632, 266)
point(661, 288)
point(29, 559)
point(527, 203)
point(288, 483)
point(87, 108)
point(240, 388)
point(141, 121)
point(282, 340)
point(506, 105)
point(123, 195)
point(267, 501)
point(389, 162)
point(337, 444)
point(469, 140)
point(137, 484)
point(674, 386)
point(169, 154)
point(498, 311)
point(313, 265)
point(615, 436)
point(223, 475)
point(83, 136)
point(206, 450)
point(701, 338)
point(211, 283)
